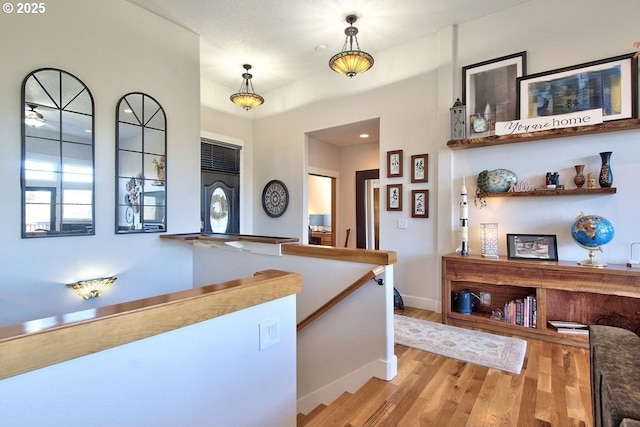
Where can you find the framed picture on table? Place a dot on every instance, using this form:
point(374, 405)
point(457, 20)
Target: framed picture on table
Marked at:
point(534, 247)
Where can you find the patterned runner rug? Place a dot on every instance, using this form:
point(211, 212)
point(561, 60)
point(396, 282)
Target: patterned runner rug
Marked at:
point(485, 349)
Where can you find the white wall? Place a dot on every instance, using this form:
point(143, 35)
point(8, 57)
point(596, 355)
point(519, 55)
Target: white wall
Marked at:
point(208, 374)
point(115, 48)
point(328, 362)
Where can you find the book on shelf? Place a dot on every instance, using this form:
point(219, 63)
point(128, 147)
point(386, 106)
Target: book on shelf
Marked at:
point(522, 312)
point(563, 327)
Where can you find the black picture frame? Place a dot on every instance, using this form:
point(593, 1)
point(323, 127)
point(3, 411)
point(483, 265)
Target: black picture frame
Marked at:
point(494, 82)
point(532, 247)
point(595, 84)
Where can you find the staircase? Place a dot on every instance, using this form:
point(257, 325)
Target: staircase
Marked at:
point(364, 408)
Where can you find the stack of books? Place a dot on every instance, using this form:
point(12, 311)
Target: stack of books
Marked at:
point(563, 327)
point(522, 312)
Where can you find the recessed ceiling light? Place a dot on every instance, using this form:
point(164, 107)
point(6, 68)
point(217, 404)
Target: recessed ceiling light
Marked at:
point(320, 48)
point(364, 135)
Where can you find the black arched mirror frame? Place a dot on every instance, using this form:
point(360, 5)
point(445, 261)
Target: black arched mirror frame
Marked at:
point(57, 171)
point(141, 165)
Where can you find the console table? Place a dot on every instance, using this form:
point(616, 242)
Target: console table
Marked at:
point(564, 291)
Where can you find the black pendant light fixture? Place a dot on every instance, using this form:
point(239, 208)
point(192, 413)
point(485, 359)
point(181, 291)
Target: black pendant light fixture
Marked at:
point(247, 97)
point(351, 61)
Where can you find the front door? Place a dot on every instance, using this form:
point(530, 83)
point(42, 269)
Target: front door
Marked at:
point(220, 204)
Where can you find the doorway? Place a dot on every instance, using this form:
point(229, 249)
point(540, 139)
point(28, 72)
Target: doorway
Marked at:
point(220, 188)
point(321, 206)
point(367, 209)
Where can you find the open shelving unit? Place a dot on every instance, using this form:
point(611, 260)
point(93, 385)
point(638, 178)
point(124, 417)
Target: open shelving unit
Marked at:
point(563, 290)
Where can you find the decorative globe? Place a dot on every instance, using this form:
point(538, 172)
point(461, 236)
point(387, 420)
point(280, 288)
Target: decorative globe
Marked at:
point(592, 232)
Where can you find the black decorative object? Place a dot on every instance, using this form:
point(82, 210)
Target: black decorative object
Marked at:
point(275, 198)
point(606, 175)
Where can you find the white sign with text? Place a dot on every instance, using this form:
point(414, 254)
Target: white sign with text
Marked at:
point(580, 118)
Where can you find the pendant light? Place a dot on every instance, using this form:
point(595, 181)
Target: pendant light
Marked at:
point(247, 97)
point(351, 61)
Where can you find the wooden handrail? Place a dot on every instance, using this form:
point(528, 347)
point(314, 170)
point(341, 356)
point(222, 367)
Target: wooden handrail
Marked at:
point(369, 275)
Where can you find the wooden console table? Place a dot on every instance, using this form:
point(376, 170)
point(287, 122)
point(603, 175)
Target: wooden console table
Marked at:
point(563, 290)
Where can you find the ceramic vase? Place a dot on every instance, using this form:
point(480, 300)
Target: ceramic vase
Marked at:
point(579, 179)
point(606, 175)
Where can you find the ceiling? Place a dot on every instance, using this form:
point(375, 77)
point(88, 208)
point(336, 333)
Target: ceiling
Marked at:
point(288, 40)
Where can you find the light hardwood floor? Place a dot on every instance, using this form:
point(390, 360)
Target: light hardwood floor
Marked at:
point(430, 390)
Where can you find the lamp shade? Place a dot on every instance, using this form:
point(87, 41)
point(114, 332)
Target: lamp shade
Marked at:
point(246, 97)
point(351, 61)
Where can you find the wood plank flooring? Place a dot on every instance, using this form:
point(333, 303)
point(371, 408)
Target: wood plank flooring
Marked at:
point(552, 390)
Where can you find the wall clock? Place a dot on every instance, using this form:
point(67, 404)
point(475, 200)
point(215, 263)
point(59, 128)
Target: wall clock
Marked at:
point(275, 198)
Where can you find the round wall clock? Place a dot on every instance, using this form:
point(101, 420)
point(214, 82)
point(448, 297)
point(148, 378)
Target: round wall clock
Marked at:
point(275, 198)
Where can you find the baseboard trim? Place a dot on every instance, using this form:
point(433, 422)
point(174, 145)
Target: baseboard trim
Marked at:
point(422, 303)
point(385, 370)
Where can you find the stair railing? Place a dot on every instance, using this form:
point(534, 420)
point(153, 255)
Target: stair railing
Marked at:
point(369, 275)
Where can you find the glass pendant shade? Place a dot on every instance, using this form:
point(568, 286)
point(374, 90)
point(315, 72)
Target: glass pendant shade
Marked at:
point(351, 61)
point(246, 97)
point(91, 288)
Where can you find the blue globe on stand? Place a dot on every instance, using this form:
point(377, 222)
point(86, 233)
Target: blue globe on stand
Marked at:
point(592, 232)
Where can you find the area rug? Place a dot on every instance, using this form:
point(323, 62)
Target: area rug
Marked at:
point(480, 348)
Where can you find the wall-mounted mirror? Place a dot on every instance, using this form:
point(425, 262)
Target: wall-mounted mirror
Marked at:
point(57, 173)
point(141, 165)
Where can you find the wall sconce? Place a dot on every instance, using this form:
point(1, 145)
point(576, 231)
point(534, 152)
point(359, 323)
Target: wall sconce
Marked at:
point(489, 240)
point(91, 288)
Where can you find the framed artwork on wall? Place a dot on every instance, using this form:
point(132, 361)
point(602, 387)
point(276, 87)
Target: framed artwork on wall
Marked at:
point(419, 203)
point(394, 164)
point(533, 247)
point(394, 197)
point(489, 89)
point(609, 84)
point(420, 168)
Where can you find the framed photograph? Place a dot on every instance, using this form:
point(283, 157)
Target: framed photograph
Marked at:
point(534, 247)
point(419, 203)
point(609, 84)
point(489, 88)
point(420, 168)
point(394, 197)
point(394, 164)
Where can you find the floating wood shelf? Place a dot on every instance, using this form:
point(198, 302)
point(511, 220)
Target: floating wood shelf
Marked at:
point(543, 193)
point(488, 141)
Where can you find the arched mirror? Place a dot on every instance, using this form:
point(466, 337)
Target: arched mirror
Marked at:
point(57, 173)
point(141, 165)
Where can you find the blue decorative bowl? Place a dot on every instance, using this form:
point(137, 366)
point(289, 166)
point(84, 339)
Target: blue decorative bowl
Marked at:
point(496, 181)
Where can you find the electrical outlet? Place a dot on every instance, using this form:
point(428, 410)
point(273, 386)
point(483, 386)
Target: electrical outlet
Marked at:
point(485, 298)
